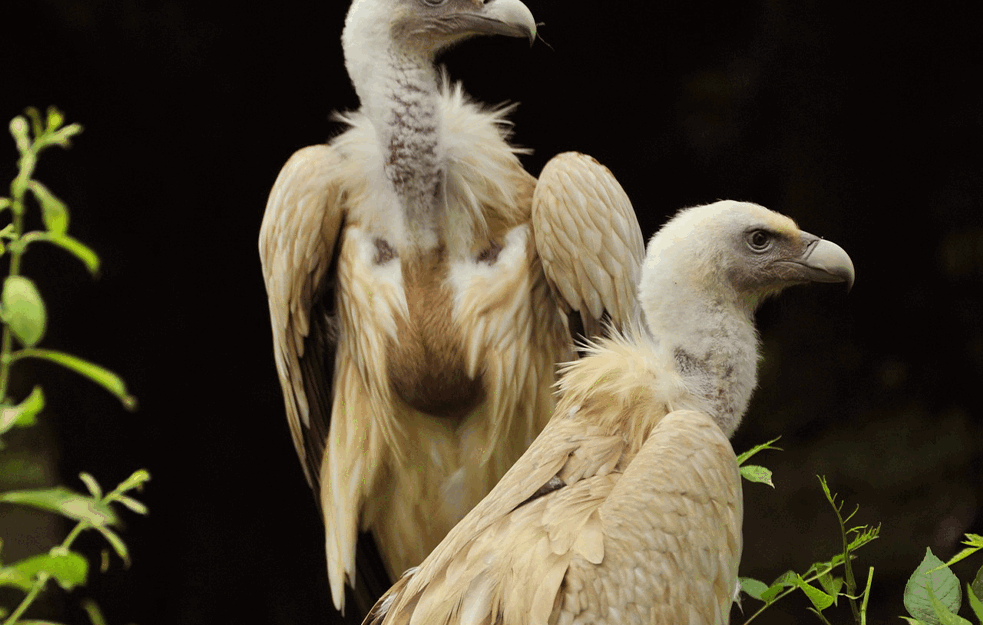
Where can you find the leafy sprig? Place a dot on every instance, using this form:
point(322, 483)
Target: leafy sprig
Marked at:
point(24, 319)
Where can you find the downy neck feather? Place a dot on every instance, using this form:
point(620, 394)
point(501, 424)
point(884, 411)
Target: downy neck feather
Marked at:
point(697, 320)
point(486, 189)
point(398, 89)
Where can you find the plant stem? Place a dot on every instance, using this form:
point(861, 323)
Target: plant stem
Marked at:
point(18, 189)
point(863, 606)
point(851, 581)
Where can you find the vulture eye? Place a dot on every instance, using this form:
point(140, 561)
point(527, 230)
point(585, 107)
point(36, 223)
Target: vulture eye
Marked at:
point(759, 240)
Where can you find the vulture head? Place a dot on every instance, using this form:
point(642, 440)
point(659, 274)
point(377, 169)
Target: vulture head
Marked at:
point(705, 273)
point(380, 31)
point(737, 253)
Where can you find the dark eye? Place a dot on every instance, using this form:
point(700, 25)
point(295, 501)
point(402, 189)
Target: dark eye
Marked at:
point(759, 240)
point(434, 3)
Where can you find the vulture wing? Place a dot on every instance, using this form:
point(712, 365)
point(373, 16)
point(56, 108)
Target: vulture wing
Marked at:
point(672, 533)
point(297, 247)
point(561, 456)
point(588, 239)
point(658, 542)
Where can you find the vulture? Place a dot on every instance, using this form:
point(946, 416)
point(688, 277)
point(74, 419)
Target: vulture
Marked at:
point(627, 507)
point(423, 286)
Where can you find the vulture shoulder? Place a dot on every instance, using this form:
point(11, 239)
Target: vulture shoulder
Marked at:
point(297, 247)
point(651, 541)
point(589, 240)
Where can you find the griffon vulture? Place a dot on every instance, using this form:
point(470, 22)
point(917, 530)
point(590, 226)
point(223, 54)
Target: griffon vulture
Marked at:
point(627, 507)
point(420, 282)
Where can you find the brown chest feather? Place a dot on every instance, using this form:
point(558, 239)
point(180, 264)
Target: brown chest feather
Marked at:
point(426, 362)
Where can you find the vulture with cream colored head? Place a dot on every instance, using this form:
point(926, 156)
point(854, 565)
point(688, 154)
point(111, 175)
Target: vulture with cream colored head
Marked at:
point(627, 507)
point(422, 287)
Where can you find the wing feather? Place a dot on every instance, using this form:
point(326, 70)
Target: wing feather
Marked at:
point(672, 529)
point(659, 542)
point(588, 238)
point(297, 247)
point(542, 532)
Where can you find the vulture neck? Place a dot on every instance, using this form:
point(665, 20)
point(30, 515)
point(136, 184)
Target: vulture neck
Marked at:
point(713, 343)
point(402, 100)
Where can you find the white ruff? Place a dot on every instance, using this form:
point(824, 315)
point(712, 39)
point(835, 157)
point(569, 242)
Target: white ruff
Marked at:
point(479, 168)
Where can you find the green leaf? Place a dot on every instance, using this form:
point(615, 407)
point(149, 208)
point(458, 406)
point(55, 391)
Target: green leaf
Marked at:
point(752, 587)
point(832, 584)
point(37, 126)
point(741, 459)
point(773, 591)
point(974, 542)
point(93, 611)
point(134, 481)
point(944, 614)
point(10, 576)
point(977, 585)
point(100, 375)
point(54, 212)
point(819, 599)
point(755, 473)
point(65, 502)
point(78, 249)
point(4, 203)
point(975, 603)
point(63, 136)
point(23, 414)
point(913, 621)
point(865, 534)
point(90, 483)
point(67, 568)
point(783, 581)
point(55, 118)
point(132, 504)
point(116, 543)
point(940, 584)
point(23, 309)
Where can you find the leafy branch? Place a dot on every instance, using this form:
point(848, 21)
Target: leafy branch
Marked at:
point(831, 586)
point(755, 473)
point(932, 596)
point(66, 567)
point(24, 319)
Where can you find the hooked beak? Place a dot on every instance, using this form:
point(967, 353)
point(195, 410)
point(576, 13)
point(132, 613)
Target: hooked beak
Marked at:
point(823, 261)
point(510, 18)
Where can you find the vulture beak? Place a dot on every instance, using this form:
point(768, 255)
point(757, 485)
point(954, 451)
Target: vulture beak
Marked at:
point(823, 261)
point(510, 18)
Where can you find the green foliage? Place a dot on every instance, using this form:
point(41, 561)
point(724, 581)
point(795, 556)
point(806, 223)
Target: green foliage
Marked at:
point(24, 318)
point(932, 596)
point(755, 473)
point(830, 585)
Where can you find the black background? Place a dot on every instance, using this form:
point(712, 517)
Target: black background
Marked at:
point(863, 124)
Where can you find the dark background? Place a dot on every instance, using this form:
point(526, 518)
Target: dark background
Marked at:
point(863, 124)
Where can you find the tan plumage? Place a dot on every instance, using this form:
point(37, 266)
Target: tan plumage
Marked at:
point(415, 332)
point(627, 507)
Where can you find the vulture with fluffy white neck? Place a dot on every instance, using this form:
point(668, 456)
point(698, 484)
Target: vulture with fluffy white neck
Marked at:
point(627, 507)
point(422, 286)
